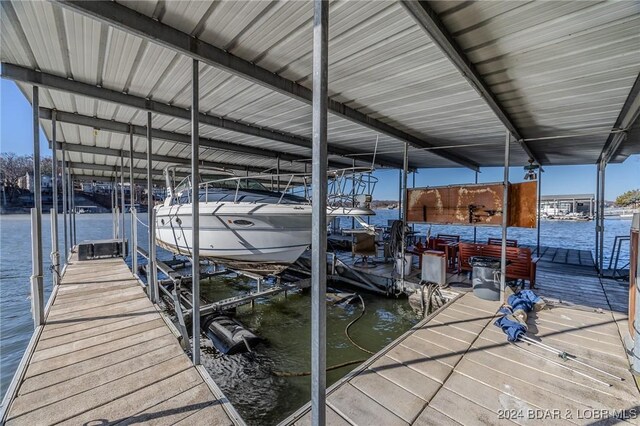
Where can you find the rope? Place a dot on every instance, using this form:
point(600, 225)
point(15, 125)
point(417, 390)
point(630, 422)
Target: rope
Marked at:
point(346, 330)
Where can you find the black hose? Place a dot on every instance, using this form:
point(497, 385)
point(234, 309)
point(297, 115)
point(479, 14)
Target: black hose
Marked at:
point(308, 373)
point(346, 330)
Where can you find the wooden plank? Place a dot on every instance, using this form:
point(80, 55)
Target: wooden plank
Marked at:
point(73, 347)
point(142, 399)
point(77, 404)
point(385, 392)
point(333, 419)
point(173, 409)
point(358, 408)
point(464, 410)
point(432, 417)
point(48, 395)
point(69, 372)
point(406, 377)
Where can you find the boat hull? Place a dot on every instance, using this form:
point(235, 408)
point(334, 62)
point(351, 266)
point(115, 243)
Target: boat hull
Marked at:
point(242, 235)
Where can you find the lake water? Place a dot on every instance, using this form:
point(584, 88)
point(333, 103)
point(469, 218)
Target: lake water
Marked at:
point(248, 379)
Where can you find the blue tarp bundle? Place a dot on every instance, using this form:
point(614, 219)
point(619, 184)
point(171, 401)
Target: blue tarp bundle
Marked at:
point(525, 300)
point(514, 315)
point(509, 325)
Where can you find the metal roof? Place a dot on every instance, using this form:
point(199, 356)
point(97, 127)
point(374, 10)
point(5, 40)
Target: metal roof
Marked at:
point(447, 77)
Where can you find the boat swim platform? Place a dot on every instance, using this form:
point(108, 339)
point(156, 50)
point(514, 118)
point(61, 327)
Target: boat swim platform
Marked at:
point(106, 355)
point(456, 367)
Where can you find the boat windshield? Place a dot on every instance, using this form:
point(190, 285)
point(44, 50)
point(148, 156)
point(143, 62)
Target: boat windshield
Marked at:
point(221, 181)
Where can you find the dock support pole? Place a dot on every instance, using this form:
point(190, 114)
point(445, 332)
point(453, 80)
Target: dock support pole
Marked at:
point(122, 203)
point(319, 214)
point(403, 208)
point(399, 194)
point(152, 290)
point(55, 247)
point(505, 215)
point(538, 212)
point(37, 288)
point(132, 202)
point(195, 210)
point(134, 240)
point(597, 211)
point(475, 228)
point(602, 169)
point(64, 205)
point(73, 213)
point(114, 222)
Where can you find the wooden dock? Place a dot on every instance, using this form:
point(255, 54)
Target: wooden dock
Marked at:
point(106, 356)
point(456, 367)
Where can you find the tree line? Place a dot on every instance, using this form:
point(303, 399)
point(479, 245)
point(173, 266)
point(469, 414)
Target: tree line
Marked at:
point(15, 166)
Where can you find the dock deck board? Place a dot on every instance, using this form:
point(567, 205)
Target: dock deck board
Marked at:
point(105, 355)
point(458, 368)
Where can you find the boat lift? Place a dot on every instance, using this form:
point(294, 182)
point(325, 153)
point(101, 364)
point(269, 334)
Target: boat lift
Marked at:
point(180, 297)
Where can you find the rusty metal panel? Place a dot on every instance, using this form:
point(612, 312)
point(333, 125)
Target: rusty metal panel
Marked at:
point(475, 204)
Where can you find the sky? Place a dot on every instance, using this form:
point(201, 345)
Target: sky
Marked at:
point(16, 136)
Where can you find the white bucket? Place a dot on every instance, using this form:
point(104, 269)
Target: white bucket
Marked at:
point(408, 259)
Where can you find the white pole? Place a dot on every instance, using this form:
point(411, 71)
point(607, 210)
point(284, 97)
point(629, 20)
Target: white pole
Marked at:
point(37, 288)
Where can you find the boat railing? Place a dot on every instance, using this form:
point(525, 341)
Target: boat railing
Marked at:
point(348, 187)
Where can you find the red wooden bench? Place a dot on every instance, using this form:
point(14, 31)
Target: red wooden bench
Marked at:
point(522, 265)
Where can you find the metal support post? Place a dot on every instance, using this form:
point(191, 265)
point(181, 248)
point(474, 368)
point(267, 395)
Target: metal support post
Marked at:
point(122, 203)
point(65, 206)
point(37, 288)
point(152, 284)
point(399, 194)
point(70, 205)
point(73, 212)
point(635, 354)
point(152, 273)
point(597, 208)
point(403, 208)
point(114, 221)
point(134, 240)
point(55, 247)
point(475, 228)
point(505, 214)
point(538, 213)
point(132, 203)
point(601, 227)
point(195, 209)
point(278, 172)
point(319, 214)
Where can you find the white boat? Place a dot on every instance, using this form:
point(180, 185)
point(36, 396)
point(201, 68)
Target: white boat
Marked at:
point(242, 223)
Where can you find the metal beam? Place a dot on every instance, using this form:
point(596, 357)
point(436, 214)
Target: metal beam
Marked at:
point(54, 82)
point(110, 152)
point(135, 23)
point(628, 115)
point(428, 19)
point(126, 128)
